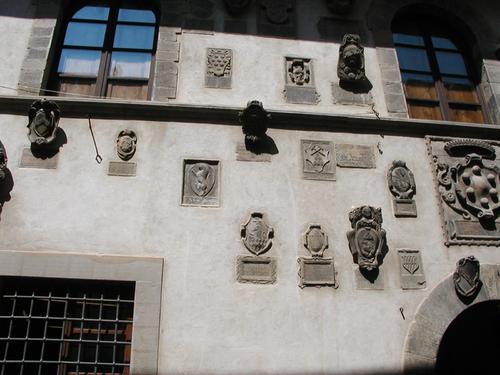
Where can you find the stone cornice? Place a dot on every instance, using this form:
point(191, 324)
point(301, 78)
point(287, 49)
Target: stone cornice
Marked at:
point(155, 111)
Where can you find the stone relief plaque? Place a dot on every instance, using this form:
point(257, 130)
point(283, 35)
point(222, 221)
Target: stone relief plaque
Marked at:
point(411, 269)
point(317, 270)
point(401, 184)
point(201, 183)
point(467, 277)
point(276, 17)
point(351, 65)
point(219, 68)
point(355, 156)
point(318, 160)
point(126, 145)
point(299, 86)
point(467, 176)
point(30, 161)
point(256, 270)
point(257, 236)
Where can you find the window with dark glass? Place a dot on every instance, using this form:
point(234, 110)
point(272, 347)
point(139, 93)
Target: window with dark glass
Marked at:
point(64, 326)
point(107, 51)
point(437, 75)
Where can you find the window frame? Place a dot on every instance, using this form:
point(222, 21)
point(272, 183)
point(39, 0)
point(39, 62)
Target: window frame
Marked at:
point(426, 30)
point(103, 78)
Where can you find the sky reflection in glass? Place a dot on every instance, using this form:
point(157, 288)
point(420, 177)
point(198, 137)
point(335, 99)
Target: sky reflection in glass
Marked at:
point(75, 61)
point(85, 34)
point(92, 13)
point(128, 36)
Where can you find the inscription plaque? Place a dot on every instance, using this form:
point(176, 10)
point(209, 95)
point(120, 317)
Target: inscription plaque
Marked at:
point(242, 154)
point(471, 229)
point(317, 272)
point(411, 269)
point(404, 208)
point(364, 283)
point(318, 160)
point(29, 161)
point(355, 156)
point(341, 96)
point(122, 168)
point(201, 183)
point(257, 270)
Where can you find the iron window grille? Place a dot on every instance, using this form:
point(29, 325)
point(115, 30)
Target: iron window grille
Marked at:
point(65, 326)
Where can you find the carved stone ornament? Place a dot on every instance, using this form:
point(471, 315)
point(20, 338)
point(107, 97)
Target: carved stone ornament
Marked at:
point(256, 234)
point(468, 179)
point(277, 10)
point(466, 277)
point(402, 186)
point(44, 118)
point(411, 269)
point(299, 86)
point(254, 119)
point(200, 182)
point(340, 6)
point(236, 7)
point(318, 160)
point(367, 240)
point(3, 163)
point(351, 65)
point(126, 144)
point(219, 68)
point(315, 240)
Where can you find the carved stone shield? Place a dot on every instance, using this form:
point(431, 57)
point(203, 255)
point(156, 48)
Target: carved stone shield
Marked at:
point(201, 179)
point(256, 234)
point(410, 263)
point(466, 276)
point(318, 157)
point(43, 121)
point(401, 181)
point(367, 241)
point(315, 240)
point(219, 62)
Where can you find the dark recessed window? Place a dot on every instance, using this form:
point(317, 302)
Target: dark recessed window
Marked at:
point(437, 73)
point(65, 327)
point(107, 51)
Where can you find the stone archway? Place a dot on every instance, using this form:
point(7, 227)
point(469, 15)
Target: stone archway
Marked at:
point(436, 313)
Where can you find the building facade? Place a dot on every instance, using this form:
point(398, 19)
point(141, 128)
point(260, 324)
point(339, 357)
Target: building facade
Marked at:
point(249, 187)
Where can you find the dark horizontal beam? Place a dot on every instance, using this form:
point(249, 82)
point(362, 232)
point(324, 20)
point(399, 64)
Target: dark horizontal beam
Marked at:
point(155, 111)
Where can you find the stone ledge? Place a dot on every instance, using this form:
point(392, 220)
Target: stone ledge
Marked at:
point(157, 111)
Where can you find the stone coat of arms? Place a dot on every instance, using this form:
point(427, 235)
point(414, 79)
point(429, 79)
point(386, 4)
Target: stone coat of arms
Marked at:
point(315, 240)
point(466, 277)
point(470, 187)
point(401, 181)
point(318, 157)
point(256, 234)
point(201, 179)
point(367, 240)
point(44, 118)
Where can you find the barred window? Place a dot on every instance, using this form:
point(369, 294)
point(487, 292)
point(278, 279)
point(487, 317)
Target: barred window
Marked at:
point(65, 326)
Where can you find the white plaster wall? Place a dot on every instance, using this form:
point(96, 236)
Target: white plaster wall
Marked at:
point(259, 72)
point(210, 323)
point(15, 28)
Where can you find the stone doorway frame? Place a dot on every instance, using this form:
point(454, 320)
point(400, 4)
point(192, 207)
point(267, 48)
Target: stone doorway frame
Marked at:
point(435, 313)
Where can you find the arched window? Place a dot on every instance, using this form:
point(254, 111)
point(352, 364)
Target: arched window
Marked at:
point(107, 50)
point(436, 69)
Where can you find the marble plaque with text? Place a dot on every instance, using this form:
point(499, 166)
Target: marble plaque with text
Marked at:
point(30, 161)
point(256, 270)
point(355, 156)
